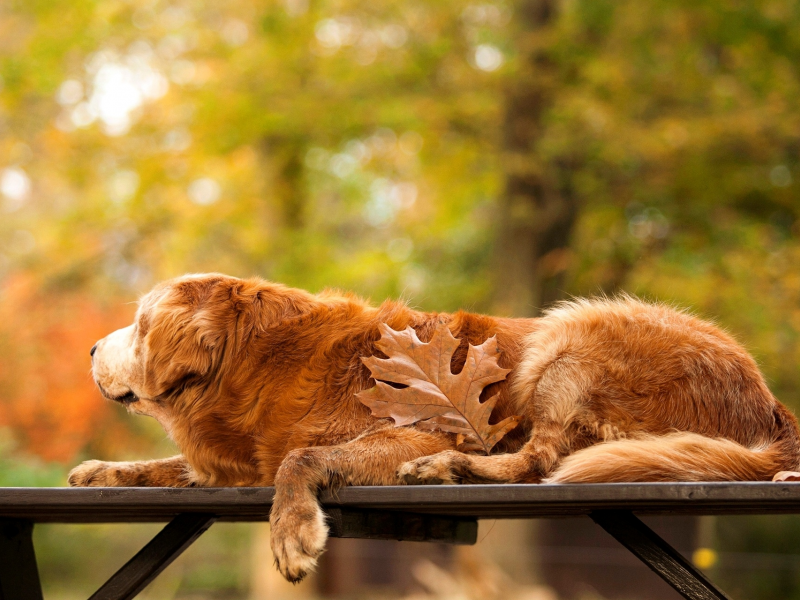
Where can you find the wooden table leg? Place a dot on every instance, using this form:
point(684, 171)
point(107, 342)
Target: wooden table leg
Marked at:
point(154, 557)
point(657, 554)
point(19, 576)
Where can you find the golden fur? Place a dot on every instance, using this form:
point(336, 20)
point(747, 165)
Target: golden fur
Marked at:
point(256, 382)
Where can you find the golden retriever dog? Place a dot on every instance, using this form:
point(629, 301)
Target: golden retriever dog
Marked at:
point(256, 383)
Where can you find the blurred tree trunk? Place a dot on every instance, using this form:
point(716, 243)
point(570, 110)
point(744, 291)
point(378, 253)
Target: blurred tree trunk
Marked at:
point(538, 209)
point(536, 216)
point(286, 154)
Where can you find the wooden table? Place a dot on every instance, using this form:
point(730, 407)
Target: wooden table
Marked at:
point(418, 513)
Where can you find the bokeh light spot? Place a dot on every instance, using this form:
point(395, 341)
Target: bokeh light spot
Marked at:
point(488, 58)
point(15, 185)
point(204, 191)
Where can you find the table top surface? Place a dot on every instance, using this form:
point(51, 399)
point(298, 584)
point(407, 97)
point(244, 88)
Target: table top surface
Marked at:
point(108, 505)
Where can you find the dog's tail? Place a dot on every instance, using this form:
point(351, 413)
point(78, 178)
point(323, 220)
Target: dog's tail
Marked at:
point(683, 457)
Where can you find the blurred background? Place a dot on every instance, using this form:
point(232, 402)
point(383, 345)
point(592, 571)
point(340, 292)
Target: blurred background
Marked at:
point(491, 156)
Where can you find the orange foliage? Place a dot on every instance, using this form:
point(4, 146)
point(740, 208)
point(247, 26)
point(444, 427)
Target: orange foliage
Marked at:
point(47, 397)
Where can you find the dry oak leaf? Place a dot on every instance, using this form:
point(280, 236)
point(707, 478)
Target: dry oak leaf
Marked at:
point(435, 398)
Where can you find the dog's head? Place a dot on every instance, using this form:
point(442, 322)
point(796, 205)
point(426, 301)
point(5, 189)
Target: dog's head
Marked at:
point(186, 332)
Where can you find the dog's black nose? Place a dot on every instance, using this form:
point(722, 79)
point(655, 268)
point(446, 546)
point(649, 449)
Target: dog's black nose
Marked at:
point(92, 351)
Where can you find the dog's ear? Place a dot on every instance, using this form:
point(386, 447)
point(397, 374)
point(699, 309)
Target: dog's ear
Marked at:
point(183, 339)
point(259, 305)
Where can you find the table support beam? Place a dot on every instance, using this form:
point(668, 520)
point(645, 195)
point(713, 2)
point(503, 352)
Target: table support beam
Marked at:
point(19, 576)
point(156, 556)
point(407, 527)
point(668, 563)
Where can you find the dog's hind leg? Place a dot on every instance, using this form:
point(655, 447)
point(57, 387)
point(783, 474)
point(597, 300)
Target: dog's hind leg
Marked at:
point(548, 444)
point(297, 521)
point(557, 405)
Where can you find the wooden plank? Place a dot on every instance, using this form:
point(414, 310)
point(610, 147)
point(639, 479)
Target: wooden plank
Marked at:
point(381, 525)
point(87, 505)
point(156, 556)
point(657, 554)
point(19, 576)
point(522, 501)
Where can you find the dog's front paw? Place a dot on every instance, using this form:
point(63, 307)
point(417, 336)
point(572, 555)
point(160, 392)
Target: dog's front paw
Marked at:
point(298, 534)
point(443, 467)
point(94, 473)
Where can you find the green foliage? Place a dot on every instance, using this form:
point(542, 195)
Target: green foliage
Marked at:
point(215, 566)
point(762, 556)
point(19, 471)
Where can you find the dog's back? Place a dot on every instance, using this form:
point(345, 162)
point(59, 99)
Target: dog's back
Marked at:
point(661, 388)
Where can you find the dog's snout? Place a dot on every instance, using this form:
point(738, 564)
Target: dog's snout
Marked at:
point(93, 350)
